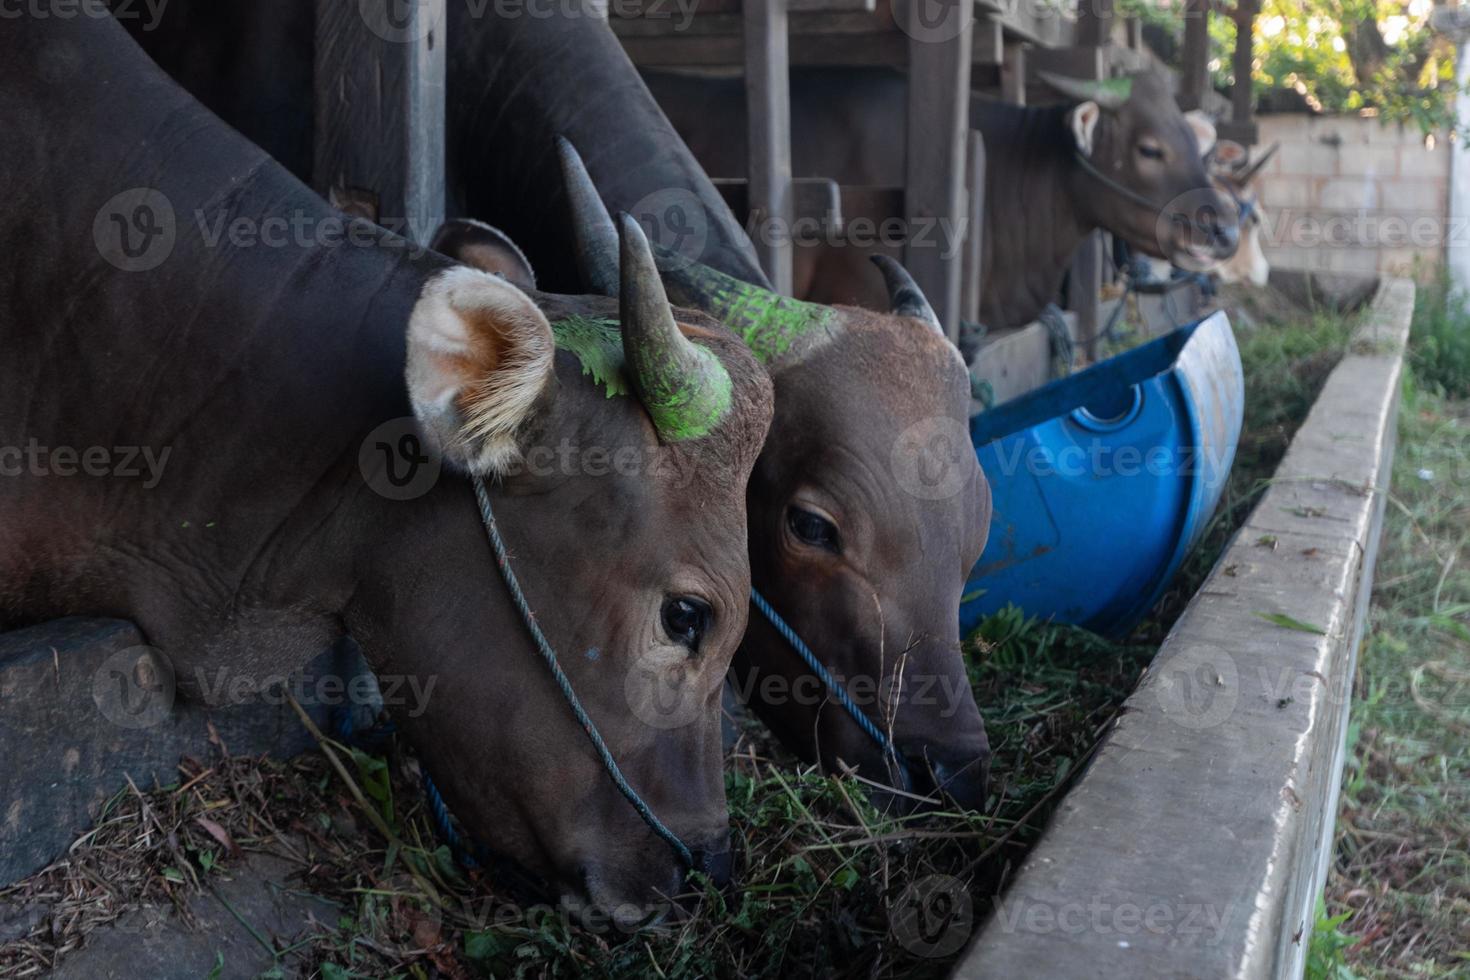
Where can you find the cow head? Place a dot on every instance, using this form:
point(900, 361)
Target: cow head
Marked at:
point(1139, 171)
point(615, 437)
point(1234, 173)
point(867, 511)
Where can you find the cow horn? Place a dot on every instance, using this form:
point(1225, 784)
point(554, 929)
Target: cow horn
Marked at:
point(595, 238)
point(1110, 93)
point(684, 387)
point(904, 295)
point(779, 330)
point(1249, 173)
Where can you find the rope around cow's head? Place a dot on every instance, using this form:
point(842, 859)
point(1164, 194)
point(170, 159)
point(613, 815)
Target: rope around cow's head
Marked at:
point(838, 692)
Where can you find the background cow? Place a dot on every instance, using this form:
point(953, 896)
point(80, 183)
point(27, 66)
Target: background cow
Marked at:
point(266, 368)
point(1119, 155)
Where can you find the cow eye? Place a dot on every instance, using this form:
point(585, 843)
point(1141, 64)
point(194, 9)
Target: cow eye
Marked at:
point(1150, 151)
point(813, 529)
point(686, 620)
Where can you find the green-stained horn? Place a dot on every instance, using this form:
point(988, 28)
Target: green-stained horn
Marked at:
point(1110, 93)
point(905, 298)
point(778, 330)
point(596, 240)
point(684, 387)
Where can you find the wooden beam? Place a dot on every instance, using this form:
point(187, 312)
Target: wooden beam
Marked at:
point(971, 283)
point(938, 123)
point(1242, 63)
point(1013, 74)
point(1094, 22)
point(989, 45)
point(768, 135)
point(1194, 76)
point(379, 111)
point(1084, 285)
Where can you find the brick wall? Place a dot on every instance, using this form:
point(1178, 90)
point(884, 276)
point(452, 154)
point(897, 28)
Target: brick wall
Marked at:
point(1350, 194)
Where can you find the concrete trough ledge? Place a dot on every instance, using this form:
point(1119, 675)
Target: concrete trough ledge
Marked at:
point(1198, 840)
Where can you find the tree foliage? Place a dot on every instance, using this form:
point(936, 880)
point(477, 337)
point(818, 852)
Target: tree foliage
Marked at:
point(1338, 55)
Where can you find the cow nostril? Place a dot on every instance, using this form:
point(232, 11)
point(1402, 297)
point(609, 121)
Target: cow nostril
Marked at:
point(717, 865)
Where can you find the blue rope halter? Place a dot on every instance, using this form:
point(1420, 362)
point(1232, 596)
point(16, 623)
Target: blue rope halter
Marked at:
point(548, 654)
point(838, 692)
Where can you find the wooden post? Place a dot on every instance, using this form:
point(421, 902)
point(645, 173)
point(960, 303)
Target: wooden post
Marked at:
point(1241, 102)
point(768, 122)
point(1194, 76)
point(379, 113)
point(1083, 285)
point(972, 283)
point(1094, 22)
point(938, 121)
point(1013, 74)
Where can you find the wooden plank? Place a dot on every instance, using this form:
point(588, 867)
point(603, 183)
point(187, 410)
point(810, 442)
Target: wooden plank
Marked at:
point(1084, 284)
point(970, 278)
point(938, 121)
point(1241, 100)
point(379, 111)
point(989, 45)
point(768, 134)
point(1094, 22)
point(831, 6)
point(1013, 74)
point(1194, 78)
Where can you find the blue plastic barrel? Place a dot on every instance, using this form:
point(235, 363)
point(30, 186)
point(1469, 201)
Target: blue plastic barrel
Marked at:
point(1103, 481)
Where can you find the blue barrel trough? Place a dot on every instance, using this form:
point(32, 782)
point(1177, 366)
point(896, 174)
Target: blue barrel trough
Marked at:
point(1103, 481)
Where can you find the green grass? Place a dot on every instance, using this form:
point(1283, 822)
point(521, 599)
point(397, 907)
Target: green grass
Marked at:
point(1440, 342)
point(1400, 884)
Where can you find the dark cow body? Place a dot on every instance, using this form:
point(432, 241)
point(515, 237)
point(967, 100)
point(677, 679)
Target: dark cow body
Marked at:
point(894, 580)
point(262, 369)
point(847, 125)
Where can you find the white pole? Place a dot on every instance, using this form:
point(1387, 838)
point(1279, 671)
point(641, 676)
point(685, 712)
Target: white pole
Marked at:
point(1457, 237)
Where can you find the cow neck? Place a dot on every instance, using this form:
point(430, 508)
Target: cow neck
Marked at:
point(1033, 223)
point(257, 369)
point(534, 78)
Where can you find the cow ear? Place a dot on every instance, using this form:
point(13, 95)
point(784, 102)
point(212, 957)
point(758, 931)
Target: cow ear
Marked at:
point(1203, 128)
point(1083, 119)
point(479, 357)
point(483, 247)
point(1228, 157)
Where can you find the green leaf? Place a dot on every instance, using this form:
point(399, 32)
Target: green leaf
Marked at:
point(1286, 622)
